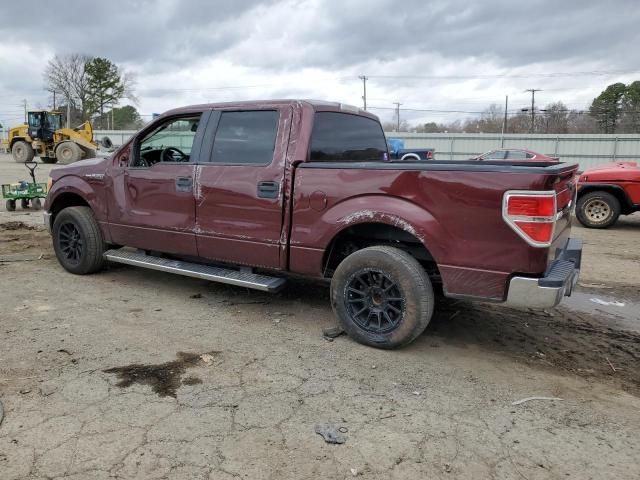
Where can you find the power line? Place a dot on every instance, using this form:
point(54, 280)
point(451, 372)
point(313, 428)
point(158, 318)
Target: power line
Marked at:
point(515, 75)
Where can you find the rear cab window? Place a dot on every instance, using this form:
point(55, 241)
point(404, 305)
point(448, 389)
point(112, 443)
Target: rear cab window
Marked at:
point(245, 137)
point(344, 137)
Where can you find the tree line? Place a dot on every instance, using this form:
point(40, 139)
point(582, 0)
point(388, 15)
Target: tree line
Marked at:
point(615, 110)
point(90, 88)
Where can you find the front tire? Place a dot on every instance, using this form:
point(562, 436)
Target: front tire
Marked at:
point(382, 297)
point(68, 152)
point(22, 152)
point(10, 205)
point(78, 241)
point(598, 209)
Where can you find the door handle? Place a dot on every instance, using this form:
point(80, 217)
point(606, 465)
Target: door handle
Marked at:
point(184, 184)
point(268, 189)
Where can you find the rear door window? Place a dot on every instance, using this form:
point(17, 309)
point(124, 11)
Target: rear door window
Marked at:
point(340, 137)
point(245, 138)
point(516, 155)
point(494, 155)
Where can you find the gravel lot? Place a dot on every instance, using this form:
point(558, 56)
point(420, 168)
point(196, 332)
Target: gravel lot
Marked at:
point(137, 374)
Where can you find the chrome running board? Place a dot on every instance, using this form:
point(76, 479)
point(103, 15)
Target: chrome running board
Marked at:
point(229, 276)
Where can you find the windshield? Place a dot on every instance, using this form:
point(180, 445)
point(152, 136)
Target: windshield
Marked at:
point(54, 120)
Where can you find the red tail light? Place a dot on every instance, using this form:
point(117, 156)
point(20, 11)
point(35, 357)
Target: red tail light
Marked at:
point(532, 215)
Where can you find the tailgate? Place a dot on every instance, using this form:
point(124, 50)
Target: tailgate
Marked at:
point(565, 186)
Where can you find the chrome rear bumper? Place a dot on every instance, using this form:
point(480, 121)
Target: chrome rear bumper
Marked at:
point(558, 281)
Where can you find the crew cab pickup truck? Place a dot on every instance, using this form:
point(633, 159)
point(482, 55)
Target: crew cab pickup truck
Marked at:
point(255, 193)
point(607, 191)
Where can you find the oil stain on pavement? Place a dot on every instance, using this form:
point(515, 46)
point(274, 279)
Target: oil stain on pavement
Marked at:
point(164, 378)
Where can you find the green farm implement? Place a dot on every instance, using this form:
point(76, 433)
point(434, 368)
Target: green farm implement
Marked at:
point(24, 191)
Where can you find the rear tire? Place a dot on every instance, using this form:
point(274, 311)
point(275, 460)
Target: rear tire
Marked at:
point(22, 152)
point(10, 205)
point(78, 241)
point(36, 204)
point(24, 203)
point(598, 209)
point(382, 297)
point(68, 152)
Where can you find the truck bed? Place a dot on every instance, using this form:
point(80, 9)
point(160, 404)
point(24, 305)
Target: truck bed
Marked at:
point(454, 208)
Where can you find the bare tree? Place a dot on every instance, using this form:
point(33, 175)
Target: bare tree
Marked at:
point(555, 119)
point(393, 126)
point(66, 75)
point(490, 121)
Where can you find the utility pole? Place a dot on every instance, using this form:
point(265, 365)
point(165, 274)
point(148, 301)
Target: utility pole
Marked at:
point(68, 112)
point(53, 92)
point(364, 79)
point(24, 102)
point(533, 106)
point(397, 104)
point(504, 122)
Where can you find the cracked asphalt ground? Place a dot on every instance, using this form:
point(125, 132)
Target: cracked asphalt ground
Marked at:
point(137, 374)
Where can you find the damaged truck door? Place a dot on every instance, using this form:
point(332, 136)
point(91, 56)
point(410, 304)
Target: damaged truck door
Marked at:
point(153, 187)
point(239, 194)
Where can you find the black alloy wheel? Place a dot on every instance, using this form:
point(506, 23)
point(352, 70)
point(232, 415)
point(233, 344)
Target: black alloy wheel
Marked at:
point(70, 242)
point(374, 301)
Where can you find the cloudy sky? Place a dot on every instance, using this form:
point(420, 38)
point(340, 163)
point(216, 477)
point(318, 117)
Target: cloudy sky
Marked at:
point(443, 60)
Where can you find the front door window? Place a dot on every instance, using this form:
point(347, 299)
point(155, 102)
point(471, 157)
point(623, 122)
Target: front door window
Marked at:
point(171, 142)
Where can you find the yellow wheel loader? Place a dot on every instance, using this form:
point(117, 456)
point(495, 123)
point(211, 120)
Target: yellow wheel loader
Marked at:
point(43, 136)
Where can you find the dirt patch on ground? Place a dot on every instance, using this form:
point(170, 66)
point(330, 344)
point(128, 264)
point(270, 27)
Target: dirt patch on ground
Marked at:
point(16, 226)
point(18, 237)
point(565, 341)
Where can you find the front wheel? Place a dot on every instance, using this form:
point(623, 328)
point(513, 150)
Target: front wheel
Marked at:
point(68, 152)
point(598, 209)
point(22, 152)
point(382, 297)
point(77, 240)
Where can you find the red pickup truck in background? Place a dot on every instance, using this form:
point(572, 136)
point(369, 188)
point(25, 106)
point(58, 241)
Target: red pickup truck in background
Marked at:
point(606, 192)
point(252, 193)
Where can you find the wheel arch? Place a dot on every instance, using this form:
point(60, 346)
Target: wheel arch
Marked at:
point(65, 200)
point(391, 232)
point(412, 156)
point(626, 206)
point(17, 139)
point(72, 191)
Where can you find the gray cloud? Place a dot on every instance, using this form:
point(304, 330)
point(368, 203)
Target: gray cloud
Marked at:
point(174, 44)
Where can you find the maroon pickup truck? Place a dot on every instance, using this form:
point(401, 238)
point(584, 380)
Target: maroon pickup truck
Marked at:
point(253, 193)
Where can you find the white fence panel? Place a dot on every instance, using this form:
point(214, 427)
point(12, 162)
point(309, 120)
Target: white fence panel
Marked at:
point(587, 150)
